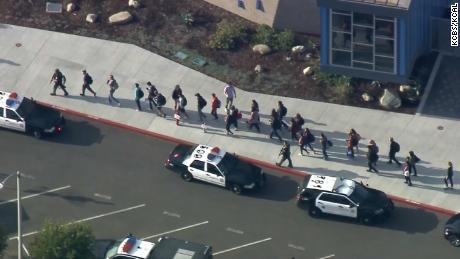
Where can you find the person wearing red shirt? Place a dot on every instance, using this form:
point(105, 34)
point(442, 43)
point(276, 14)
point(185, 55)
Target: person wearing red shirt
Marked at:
point(215, 103)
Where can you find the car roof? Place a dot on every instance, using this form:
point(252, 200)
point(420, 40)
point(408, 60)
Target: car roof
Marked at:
point(135, 247)
point(331, 184)
point(206, 153)
point(6, 100)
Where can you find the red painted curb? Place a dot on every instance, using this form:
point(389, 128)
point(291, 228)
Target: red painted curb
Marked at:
point(248, 159)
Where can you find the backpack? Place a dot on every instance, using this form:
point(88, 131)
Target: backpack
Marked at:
point(203, 102)
point(141, 93)
point(90, 79)
point(161, 100)
point(218, 103)
point(283, 111)
point(115, 85)
point(397, 147)
point(183, 102)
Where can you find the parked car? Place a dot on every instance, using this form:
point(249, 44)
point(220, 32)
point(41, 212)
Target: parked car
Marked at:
point(452, 230)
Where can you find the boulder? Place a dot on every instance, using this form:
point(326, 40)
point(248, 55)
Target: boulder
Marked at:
point(308, 56)
point(367, 97)
point(298, 49)
point(258, 69)
point(307, 71)
point(71, 7)
point(120, 18)
point(262, 49)
point(390, 99)
point(134, 3)
point(405, 88)
point(91, 18)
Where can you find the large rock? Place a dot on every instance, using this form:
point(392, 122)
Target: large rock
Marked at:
point(134, 3)
point(298, 49)
point(258, 69)
point(91, 18)
point(307, 71)
point(390, 99)
point(71, 7)
point(262, 49)
point(405, 88)
point(367, 97)
point(120, 18)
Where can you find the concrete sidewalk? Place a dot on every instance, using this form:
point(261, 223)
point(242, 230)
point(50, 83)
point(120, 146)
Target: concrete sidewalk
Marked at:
point(27, 67)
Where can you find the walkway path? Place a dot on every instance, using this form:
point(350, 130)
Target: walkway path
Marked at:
point(29, 56)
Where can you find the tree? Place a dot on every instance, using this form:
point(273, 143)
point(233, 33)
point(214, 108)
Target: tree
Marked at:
point(56, 241)
point(3, 243)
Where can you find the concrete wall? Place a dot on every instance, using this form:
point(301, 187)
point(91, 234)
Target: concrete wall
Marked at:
point(296, 15)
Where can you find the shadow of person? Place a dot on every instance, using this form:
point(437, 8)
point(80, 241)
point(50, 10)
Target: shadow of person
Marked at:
point(78, 132)
point(277, 188)
point(9, 62)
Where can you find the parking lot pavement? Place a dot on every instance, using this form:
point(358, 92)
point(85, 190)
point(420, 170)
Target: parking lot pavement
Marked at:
point(118, 185)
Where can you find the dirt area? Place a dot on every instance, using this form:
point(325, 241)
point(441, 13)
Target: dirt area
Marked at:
point(158, 26)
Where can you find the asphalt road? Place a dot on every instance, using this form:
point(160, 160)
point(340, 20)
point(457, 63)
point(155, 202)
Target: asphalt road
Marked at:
point(115, 181)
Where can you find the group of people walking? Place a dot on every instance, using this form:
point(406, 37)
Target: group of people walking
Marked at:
point(303, 136)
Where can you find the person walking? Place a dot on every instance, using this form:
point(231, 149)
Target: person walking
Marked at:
point(58, 80)
point(87, 82)
point(299, 119)
point(285, 154)
point(324, 145)
point(308, 139)
point(450, 174)
point(275, 125)
point(201, 103)
point(182, 103)
point(295, 128)
point(372, 156)
point(230, 94)
point(138, 94)
point(254, 120)
point(354, 138)
point(175, 95)
point(394, 148)
point(254, 106)
point(406, 171)
point(152, 93)
point(231, 119)
point(177, 116)
point(215, 104)
point(159, 101)
point(413, 159)
point(113, 86)
point(282, 111)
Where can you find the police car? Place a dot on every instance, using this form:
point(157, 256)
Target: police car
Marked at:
point(25, 115)
point(452, 230)
point(343, 197)
point(215, 166)
point(165, 248)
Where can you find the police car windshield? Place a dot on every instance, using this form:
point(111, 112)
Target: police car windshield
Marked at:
point(26, 108)
point(227, 163)
point(359, 193)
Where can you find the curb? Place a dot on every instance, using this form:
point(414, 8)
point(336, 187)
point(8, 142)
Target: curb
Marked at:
point(260, 163)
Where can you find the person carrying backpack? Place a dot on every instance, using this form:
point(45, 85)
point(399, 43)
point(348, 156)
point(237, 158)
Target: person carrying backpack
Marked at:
point(413, 159)
point(305, 140)
point(282, 111)
point(182, 103)
point(58, 80)
point(275, 125)
point(201, 102)
point(406, 171)
point(372, 156)
point(113, 85)
point(394, 148)
point(138, 94)
point(215, 104)
point(152, 93)
point(159, 100)
point(87, 81)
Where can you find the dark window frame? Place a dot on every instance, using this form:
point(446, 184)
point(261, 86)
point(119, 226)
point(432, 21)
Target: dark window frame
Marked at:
point(197, 161)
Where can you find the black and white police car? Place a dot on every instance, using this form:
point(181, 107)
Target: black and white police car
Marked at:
point(26, 115)
point(165, 248)
point(452, 230)
point(215, 166)
point(343, 197)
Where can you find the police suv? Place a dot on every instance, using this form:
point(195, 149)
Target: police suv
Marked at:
point(25, 115)
point(215, 166)
point(343, 197)
point(165, 248)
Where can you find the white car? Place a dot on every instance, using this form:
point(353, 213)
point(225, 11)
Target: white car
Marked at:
point(25, 115)
point(213, 165)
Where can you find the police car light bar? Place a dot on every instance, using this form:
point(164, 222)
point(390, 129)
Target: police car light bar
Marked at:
point(129, 244)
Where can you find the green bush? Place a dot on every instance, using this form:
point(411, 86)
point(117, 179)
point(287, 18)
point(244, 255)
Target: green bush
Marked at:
point(56, 241)
point(284, 40)
point(264, 35)
point(228, 35)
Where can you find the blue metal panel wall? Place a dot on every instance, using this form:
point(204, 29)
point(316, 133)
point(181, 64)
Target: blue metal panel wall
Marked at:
point(402, 45)
point(324, 14)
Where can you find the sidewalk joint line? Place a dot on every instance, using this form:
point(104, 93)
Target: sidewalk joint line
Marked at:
point(175, 230)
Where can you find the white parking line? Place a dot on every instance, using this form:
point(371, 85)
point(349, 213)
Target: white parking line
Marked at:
point(241, 246)
point(171, 214)
point(301, 248)
point(25, 250)
point(237, 231)
point(329, 256)
point(36, 194)
point(176, 230)
point(103, 196)
point(87, 219)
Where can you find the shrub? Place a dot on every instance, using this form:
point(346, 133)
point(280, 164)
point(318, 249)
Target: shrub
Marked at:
point(264, 35)
point(284, 40)
point(188, 19)
point(228, 35)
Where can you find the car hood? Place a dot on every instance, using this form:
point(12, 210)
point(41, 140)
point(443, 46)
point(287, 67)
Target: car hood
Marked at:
point(44, 118)
point(454, 222)
point(246, 172)
point(375, 199)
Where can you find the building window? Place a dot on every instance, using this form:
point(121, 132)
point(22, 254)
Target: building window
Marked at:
point(241, 4)
point(362, 41)
point(260, 6)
